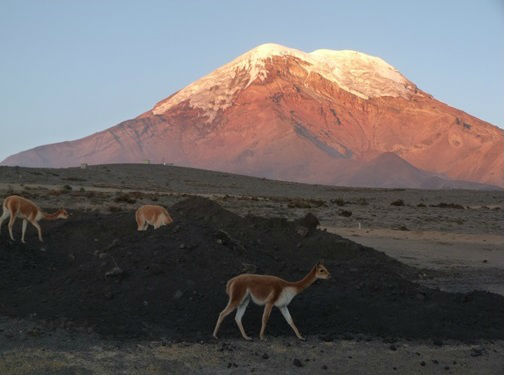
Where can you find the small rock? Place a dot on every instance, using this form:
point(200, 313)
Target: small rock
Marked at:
point(447, 368)
point(326, 338)
point(392, 348)
point(114, 272)
point(265, 356)
point(108, 295)
point(344, 213)
point(302, 231)
point(112, 244)
point(477, 352)
point(423, 363)
point(182, 246)
point(102, 255)
point(177, 294)
point(435, 361)
point(249, 268)
point(484, 261)
point(297, 362)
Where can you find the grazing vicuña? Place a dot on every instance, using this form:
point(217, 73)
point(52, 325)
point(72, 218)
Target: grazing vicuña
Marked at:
point(154, 215)
point(17, 206)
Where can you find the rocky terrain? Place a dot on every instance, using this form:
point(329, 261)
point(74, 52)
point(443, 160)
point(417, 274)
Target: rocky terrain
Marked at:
point(328, 117)
point(98, 296)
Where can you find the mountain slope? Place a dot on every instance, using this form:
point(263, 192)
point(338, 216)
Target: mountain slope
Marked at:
point(390, 171)
point(282, 113)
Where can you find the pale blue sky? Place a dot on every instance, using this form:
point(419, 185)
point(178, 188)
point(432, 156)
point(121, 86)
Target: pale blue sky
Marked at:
point(72, 68)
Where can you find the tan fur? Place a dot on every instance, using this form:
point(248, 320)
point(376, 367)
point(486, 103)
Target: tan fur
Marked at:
point(20, 207)
point(266, 290)
point(153, 215)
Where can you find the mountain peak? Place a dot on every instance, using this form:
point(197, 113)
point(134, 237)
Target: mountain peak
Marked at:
point(360, 74)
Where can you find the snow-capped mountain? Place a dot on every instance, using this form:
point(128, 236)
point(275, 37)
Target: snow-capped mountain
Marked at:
point(319, 117)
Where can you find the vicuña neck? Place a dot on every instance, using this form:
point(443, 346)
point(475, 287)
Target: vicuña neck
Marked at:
point(306, 281)
point(51, 216)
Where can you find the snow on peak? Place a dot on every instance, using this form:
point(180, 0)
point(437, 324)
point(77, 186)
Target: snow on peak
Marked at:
point(360, 74)
point(363, 75)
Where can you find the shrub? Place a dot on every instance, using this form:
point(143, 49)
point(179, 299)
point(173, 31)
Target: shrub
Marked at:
point(125, 197)
point(362, 201)
point(338, 201)
point(448, 206)
point(398, 203)
point(344, 213)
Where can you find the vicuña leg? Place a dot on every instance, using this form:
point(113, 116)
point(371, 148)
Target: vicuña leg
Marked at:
point(238, 318)
point(225, 312)
point(266, 316)
point(4, 216)
point(11, 223)
point(285, 312)
point(37, 226)
point(23, 230)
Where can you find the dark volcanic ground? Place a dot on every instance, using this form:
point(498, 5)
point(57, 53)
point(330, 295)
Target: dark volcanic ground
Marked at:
point(98, 272)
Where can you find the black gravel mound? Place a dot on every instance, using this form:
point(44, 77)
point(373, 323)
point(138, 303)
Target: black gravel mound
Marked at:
point(96, 271)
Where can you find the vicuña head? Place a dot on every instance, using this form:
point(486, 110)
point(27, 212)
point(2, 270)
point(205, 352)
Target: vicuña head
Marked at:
point(59, 214)
point(269, 291)
point(20, 207)
point(321, 271)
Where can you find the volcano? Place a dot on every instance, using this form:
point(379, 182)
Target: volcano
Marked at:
point(328, 117)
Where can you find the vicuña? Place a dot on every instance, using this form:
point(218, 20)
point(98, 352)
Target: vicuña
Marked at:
point(20, 207)
point(154, 215)
point(269, 291)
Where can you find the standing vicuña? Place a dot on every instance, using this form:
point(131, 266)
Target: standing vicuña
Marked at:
point(269, 291)
point(17, 206)
point(154, 215)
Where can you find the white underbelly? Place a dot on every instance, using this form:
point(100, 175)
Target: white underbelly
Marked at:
point(285, 297)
